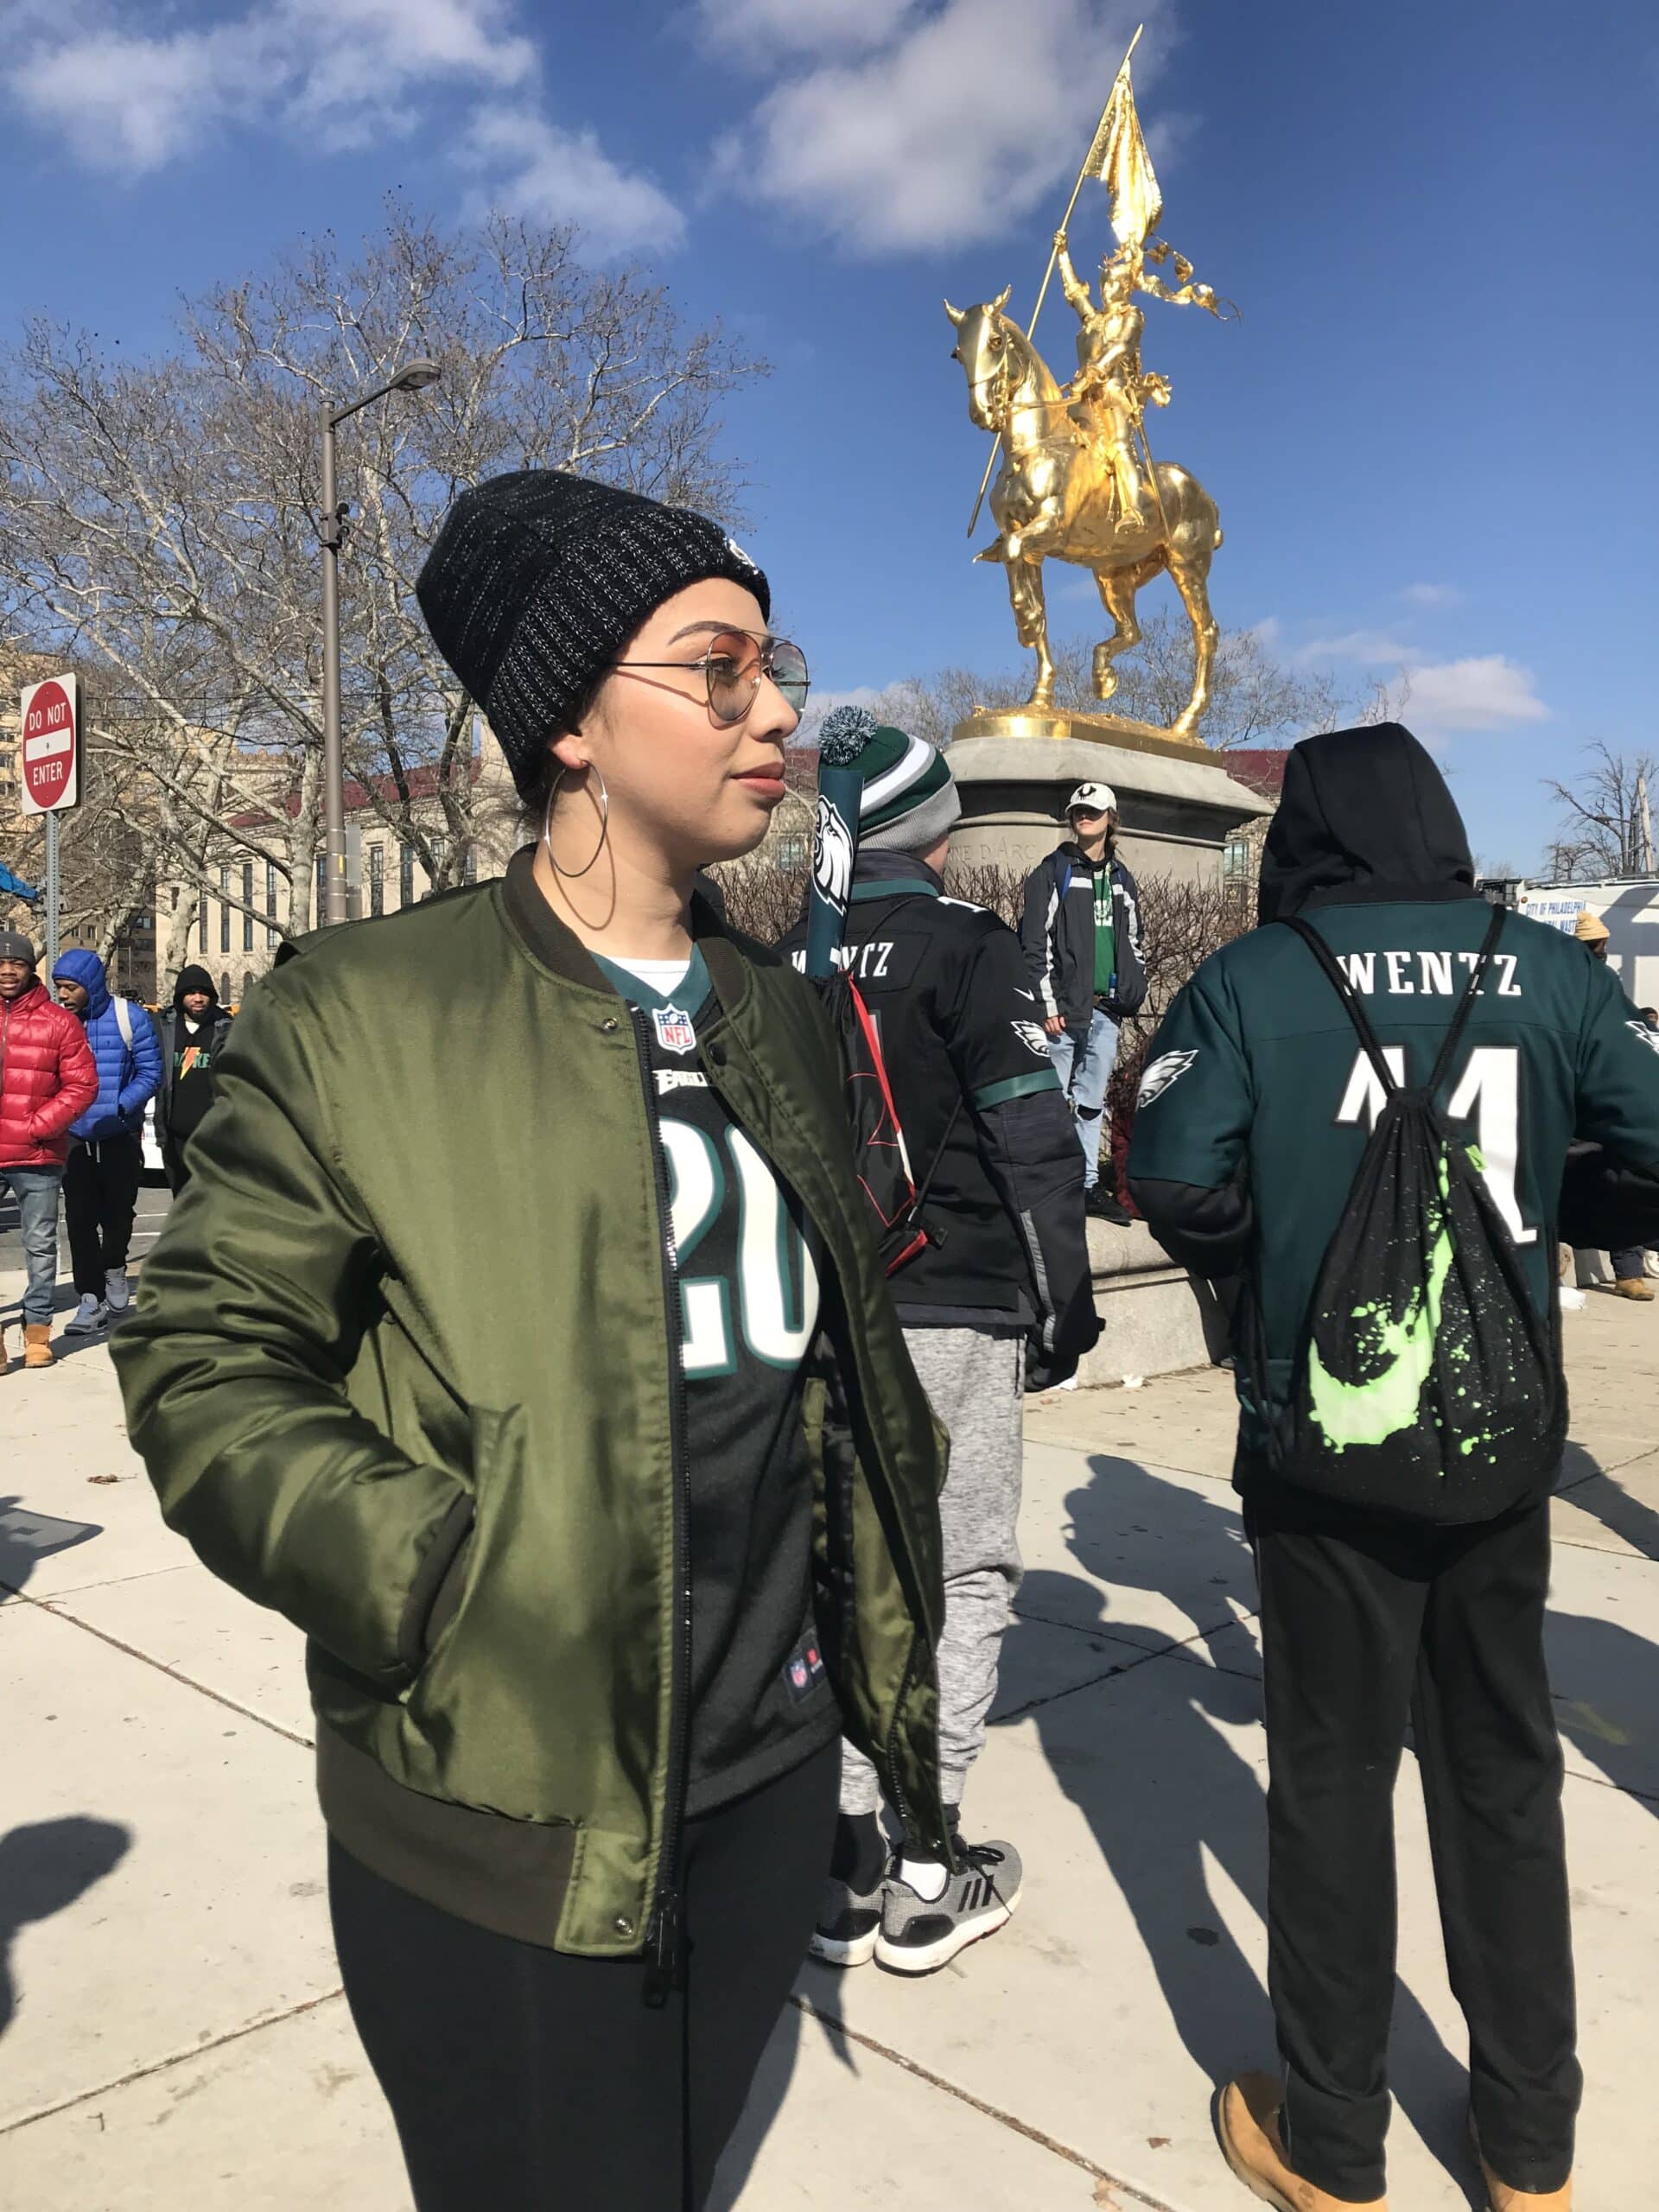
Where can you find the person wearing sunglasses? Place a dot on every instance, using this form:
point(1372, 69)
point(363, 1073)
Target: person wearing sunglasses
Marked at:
point(521, 1336)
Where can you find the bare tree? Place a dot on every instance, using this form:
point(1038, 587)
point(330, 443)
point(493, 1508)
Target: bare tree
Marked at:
point(1603, 829)
point(1257, 699)
point(158, 519)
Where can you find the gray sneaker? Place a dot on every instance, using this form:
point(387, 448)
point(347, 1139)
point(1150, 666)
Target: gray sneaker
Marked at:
point(850, 1921)
point(918, 1936)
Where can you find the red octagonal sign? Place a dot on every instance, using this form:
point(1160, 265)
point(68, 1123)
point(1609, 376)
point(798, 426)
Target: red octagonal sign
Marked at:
point(50, 745)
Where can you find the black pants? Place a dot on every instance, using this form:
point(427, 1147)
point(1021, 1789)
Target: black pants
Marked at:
point(100, 1196)
point(174, 1167)
point(524, 2081)
point(1365, 1625)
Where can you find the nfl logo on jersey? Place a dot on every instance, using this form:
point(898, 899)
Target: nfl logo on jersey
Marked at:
point(674, 1030)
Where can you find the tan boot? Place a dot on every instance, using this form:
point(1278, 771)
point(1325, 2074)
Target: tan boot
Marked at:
point(1247, 2122)
point(1633, 1286)
point(37, 1345)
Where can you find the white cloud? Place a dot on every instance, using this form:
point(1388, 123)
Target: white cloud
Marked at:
point(1480, 691)
point(960, 119)
point(335, 73)
point(763, 28)
point(551, 175)
point(353, 69)
point(1431, 596)
point(1367, 646)
point(1486, 691)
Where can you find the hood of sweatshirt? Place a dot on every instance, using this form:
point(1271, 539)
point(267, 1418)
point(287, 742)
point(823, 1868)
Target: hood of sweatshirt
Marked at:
point(87, 969)
point(1365, 814)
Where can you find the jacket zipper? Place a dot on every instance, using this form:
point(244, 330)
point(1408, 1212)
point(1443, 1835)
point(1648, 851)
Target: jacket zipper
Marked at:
point(664, 1937)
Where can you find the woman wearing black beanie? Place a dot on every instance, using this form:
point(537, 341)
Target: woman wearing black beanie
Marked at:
point(521, 1336)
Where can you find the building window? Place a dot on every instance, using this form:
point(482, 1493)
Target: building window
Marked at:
point(789, 850)
point(469, 873)
point(247, 902)
point(376, 879)
point(405, 875)
point(201, 925)
point(439, 850)
point(225, 912)
point(225, 987)
point(322, 914)
point(271, 903)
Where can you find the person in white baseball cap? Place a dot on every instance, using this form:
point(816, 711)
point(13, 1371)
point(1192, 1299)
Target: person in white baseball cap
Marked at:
point(1081, 933)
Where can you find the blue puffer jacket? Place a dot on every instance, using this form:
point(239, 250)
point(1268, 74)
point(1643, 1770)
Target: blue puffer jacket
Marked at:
point(127, 1078)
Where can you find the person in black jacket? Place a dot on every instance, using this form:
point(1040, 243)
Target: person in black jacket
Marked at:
point(193, 1035)
point(1081, 935)
point(1253, 1120)
point(999, 1296)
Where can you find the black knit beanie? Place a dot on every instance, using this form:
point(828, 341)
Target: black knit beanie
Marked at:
point(13, 946)
point(538, 580)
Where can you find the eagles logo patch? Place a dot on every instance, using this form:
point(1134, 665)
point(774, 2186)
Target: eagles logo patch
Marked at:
point(1649, 1037)
point(1032, 1036)
point(1167, 1068)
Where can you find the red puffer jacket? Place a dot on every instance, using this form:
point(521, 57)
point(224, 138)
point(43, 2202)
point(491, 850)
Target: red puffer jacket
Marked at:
point(47, 1079)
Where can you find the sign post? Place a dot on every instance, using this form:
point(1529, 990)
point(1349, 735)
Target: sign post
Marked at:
point(51, 764)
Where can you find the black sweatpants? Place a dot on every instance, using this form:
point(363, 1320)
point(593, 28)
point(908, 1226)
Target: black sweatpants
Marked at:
point(526, 2081)
point(1365, 1624)
point(100, 1197)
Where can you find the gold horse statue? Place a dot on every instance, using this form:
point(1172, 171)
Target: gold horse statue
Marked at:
point(1055, 498)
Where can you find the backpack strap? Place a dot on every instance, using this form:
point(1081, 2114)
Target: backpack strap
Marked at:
point(1356, 1014)
point(124, 1022)
point(1466, 1004)
point(1345, 990)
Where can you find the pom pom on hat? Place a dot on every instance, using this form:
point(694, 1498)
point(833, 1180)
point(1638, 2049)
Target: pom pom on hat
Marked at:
point(909, 799)
point(844, 735)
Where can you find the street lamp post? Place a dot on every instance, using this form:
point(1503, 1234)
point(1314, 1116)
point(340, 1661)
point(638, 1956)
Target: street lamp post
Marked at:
point(414, 376)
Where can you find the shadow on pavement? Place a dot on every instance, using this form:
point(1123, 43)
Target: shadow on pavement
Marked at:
point(26, 1536)
point(1161, 1799)
point(1605, 1680)
point(1605, 1499)
point(44, 1868)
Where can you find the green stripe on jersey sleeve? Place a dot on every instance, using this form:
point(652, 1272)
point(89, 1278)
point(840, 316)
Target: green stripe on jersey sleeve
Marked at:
point(1016, 1086)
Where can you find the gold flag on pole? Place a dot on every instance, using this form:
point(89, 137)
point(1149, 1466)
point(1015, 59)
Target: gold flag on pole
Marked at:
point(1119, 158)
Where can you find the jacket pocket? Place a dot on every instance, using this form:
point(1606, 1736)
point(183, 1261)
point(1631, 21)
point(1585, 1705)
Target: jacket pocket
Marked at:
point(452, 1633)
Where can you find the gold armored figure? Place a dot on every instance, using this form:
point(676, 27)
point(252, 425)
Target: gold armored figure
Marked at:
point(1074, 479)
point(1110, 393)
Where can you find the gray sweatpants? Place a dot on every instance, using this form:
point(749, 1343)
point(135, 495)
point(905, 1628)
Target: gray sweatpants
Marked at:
point(975, 1381)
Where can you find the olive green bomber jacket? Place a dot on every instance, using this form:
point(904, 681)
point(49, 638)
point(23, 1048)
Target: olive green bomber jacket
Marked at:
point(414, 1300)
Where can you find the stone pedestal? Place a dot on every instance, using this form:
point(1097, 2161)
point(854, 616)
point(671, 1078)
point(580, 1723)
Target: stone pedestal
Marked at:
point(1015, 770)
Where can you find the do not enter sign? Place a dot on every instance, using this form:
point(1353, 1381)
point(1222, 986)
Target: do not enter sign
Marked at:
point(51, 745)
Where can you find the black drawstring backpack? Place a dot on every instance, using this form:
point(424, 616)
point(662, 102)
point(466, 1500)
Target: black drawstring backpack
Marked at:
point(1425, 1383)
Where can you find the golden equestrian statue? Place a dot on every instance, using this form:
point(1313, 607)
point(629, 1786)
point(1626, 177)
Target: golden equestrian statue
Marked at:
point(1077, 481)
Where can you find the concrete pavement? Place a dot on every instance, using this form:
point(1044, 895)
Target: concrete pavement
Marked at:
point(171, 2029)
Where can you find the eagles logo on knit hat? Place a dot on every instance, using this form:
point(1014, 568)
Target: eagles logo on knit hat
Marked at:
point(909, 797)
point(536, 582)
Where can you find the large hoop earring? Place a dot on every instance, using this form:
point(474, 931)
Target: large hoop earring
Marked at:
point(571, 873)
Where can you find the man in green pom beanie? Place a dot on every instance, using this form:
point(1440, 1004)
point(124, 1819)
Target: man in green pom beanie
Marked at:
point(999, 1293)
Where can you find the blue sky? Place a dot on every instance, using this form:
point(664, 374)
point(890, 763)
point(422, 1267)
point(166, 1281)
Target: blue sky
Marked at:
point(1430, 436)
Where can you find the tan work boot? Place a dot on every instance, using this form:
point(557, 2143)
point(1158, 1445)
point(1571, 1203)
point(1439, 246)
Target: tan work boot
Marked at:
point(1633, 1286)
point(1500, 2198)
point(37, 1345)
point(1247, 2123)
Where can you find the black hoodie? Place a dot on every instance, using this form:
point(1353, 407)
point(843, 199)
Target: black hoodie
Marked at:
point(1256, 1099)
point(1365, 814)
point(188, 1052)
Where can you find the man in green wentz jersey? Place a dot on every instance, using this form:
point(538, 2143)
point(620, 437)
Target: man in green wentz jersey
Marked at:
point(1253, 1112)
